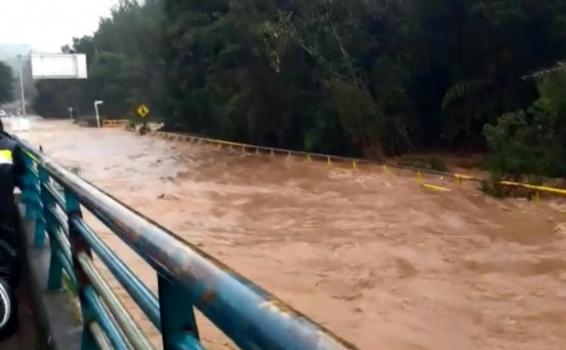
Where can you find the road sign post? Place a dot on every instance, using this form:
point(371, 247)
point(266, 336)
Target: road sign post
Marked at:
point(143, 111)
point(96, 104)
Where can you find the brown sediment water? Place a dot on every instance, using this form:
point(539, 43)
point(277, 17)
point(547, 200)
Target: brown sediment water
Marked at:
point(369, 254)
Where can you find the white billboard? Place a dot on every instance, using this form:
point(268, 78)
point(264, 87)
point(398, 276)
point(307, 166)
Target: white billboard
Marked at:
point(58, 66)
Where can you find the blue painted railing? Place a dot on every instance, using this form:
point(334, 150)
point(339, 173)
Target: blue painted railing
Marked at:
point(187, 277)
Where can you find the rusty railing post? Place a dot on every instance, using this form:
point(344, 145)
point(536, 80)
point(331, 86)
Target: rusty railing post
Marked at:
point(177, 314)
point(79, 245)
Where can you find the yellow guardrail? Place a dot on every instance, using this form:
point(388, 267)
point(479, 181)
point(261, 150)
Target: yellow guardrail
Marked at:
point(546, 189)
point(114, 123)
point(329, 159)
point(435, 188)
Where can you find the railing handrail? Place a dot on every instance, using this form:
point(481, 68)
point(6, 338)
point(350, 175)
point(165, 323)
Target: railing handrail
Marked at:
point(314, 155)
point(250, 316)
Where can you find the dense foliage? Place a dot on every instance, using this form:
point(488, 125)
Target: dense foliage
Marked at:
point(356, 76)
point(361, 77)
point(533, 140)
point(6, 82)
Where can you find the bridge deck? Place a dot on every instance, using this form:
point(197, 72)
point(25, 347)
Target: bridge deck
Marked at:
point(11, 344)
point(26, 338)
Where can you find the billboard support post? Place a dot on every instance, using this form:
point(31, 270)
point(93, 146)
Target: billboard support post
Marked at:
point(52, 66)
point(22, 92)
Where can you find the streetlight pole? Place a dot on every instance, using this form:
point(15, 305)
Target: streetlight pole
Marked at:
point(96, 104)
point(22, 92)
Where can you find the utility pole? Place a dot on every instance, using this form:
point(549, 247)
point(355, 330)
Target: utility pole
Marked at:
point(22, 92)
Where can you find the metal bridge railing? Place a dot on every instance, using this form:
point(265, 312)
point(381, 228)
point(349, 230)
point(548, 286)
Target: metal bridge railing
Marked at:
point(330, 159)
point(187, 277)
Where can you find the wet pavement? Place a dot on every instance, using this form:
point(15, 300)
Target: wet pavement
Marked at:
point(369, 254)
point(26, 337)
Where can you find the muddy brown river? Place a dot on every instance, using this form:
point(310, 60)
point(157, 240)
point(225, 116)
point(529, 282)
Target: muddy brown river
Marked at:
point(369, 254)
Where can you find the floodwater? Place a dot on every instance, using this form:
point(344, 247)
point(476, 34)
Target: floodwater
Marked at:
point(368, 253)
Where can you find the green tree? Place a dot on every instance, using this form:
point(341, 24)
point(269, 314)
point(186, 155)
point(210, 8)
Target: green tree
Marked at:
point(533, 141)
point(125, 66)
point(353, 77)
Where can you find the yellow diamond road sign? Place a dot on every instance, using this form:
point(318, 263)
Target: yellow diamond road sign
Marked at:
point(143, 111)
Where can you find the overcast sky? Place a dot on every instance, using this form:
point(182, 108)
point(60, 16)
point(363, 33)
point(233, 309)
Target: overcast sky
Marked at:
point(47, 25)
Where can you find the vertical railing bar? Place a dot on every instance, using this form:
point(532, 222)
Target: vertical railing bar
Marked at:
point(145, 299)
point(188, 342)
point(31, 196)
point(59, 236)
point(55, 277)
point(177, 312)
point(33, 171)
point(54, 194)
point(114, 321)
point(78, 245)
point(100, 337)
point(51, 209)
point(67, 266)
point(106, 322)
point(123, 318)
point(40, 223)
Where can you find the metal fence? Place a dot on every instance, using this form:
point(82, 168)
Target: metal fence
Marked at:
point(331, 159)
point(187, 277)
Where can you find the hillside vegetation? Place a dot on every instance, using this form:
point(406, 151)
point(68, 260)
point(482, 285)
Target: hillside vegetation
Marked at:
point(355, 77)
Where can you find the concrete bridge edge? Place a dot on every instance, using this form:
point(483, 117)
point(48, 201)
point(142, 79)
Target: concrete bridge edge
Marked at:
point(57, 317)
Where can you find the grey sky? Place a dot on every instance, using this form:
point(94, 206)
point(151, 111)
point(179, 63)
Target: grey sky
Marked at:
point(49, 24)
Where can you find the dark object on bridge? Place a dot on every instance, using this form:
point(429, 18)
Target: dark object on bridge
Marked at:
point(11, 167)
point(8, 311)
point(9, 278)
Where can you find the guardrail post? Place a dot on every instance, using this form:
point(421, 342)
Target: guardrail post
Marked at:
point(40, 235)
point(55, 278)
point(177, 313)
point(79, 245)
point(31, 197)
